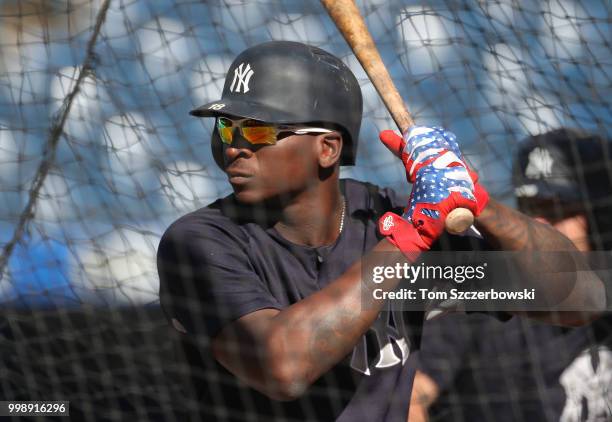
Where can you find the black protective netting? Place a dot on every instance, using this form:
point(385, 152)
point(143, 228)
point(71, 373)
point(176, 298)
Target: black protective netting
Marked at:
point(98, 154)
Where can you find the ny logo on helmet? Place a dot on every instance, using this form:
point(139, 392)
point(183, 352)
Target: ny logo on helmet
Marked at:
point(540, 164)
point(242, 76)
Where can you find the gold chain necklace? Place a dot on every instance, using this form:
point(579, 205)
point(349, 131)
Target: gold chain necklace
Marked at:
point(342, 216)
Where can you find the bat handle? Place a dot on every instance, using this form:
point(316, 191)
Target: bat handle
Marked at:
point(459, 220)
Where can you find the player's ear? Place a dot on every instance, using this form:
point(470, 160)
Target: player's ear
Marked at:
point(329, 147)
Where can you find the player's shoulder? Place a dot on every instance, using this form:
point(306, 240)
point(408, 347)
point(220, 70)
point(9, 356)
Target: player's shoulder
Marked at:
point(371, 198)
point(215, 221)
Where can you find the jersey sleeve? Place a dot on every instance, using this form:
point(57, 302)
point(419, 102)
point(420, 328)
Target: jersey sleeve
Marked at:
point(206, 278)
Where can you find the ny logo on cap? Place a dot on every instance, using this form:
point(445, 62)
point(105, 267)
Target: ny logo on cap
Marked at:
point(540, 164)
point(242, 76)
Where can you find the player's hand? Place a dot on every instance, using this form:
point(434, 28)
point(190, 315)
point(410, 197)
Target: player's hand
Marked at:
point(441, 179)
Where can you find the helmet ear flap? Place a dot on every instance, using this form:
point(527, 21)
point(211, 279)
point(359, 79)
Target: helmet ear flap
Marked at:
point(349, 149)
point(216, 147)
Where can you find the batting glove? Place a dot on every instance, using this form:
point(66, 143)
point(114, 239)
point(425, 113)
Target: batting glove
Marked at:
point(403, 235)
point(441, 180)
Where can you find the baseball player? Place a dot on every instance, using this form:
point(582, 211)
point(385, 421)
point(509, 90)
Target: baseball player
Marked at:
point(524, 370)
point(264, 286)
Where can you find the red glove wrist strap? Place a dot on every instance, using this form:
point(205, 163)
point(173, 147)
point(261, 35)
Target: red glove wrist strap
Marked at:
point(402, 234)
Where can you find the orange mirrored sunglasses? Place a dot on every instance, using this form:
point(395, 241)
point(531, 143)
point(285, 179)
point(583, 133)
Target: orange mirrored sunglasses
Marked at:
point(257, 132)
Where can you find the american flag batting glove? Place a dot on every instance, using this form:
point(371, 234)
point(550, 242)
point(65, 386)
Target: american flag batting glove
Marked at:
point(440, 178)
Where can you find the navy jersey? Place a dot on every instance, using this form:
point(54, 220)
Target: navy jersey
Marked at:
point(518, 370)
point(222, 262)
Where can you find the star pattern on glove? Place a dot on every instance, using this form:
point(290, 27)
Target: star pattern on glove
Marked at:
point(434, 165)
point(441, 182)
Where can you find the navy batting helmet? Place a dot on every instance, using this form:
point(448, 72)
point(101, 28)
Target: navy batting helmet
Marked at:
point(288, 82)
point(567, 165)
point(566, 171)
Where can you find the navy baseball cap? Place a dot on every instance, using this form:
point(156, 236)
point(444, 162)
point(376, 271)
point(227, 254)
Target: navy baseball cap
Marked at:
point(565, 165)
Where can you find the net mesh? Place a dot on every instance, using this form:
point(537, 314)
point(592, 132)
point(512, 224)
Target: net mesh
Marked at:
point(98, 155)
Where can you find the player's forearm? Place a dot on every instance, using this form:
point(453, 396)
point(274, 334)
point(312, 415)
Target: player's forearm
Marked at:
point(507, 229)
point(308, 338)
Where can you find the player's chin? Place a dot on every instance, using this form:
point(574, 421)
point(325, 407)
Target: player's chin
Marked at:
point(248, 193)
point(252, 195)
point(247, 198)
point(258, 190)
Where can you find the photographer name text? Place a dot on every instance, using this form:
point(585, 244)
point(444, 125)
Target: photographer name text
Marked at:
point(456, 294)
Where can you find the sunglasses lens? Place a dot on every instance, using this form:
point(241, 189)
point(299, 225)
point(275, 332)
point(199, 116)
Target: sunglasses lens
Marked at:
point(258, 133)
point(253, 131)
point(226, 131)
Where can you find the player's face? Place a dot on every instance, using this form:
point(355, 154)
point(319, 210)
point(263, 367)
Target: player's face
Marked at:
point(566, 218)
point(261, 172)
point(574, 228)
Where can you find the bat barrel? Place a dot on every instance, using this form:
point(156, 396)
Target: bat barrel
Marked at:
point(351, 25)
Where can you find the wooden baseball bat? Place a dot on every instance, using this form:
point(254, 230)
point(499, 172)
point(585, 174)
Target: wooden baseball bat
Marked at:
point(351, 25)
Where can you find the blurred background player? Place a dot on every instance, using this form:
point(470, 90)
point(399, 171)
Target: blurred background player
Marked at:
point(473, 367)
